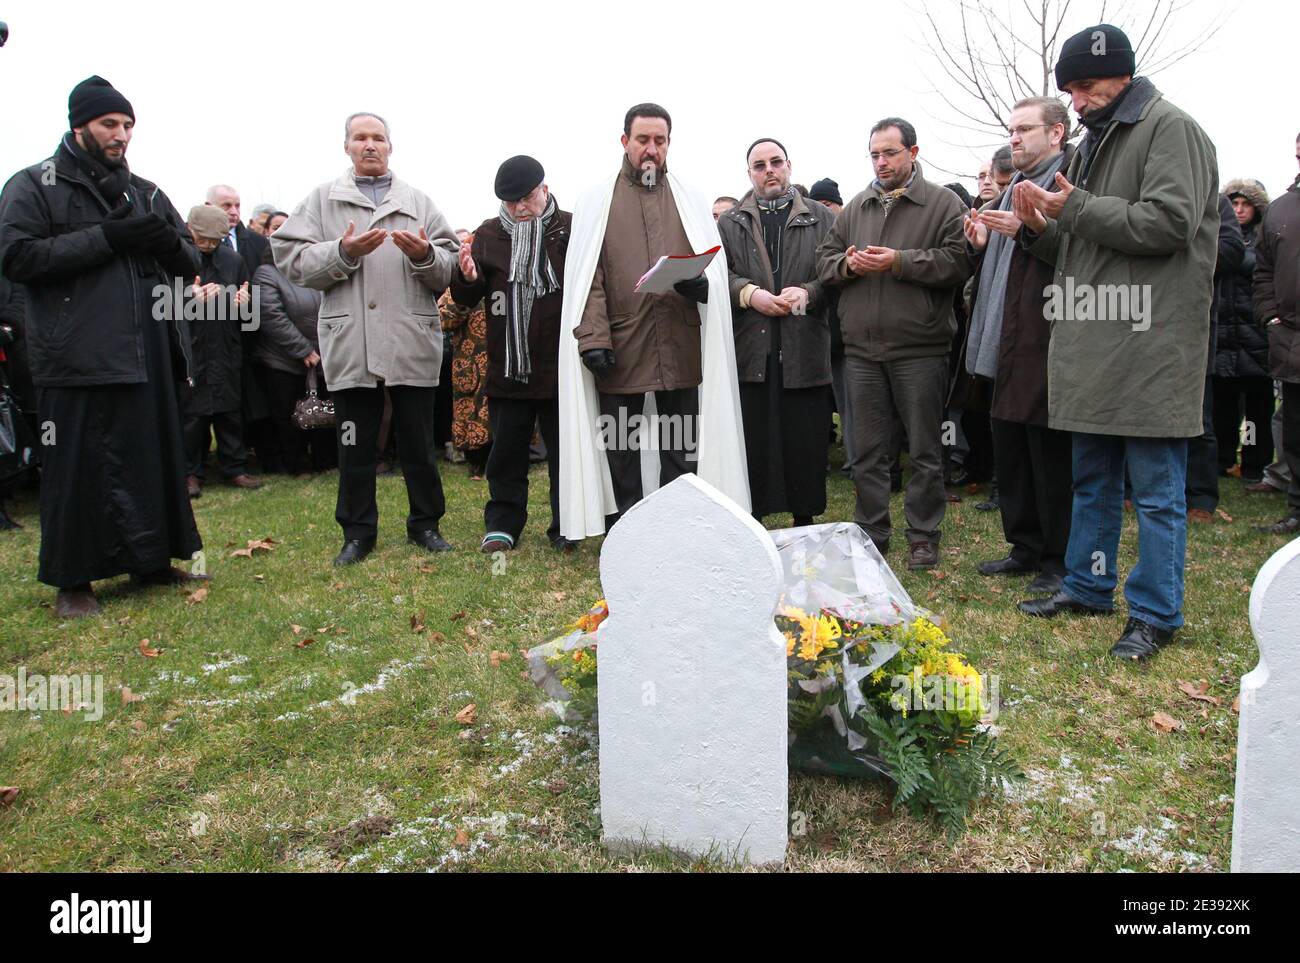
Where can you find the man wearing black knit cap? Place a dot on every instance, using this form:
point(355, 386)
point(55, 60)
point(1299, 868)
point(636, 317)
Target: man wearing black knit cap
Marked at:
point(516, 261)
point(93, 245)
point(1133, 234)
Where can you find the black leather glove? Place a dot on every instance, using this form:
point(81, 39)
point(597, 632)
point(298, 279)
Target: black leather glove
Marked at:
point(143, 234)
point(696, 289)
point(599, 360)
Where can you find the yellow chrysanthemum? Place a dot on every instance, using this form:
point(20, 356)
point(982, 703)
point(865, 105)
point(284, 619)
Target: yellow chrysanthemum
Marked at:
point(819, 632)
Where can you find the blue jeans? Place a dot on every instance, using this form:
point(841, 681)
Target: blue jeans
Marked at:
point(1157, 469)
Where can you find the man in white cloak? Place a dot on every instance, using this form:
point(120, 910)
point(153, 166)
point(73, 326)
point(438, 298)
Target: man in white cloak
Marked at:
point(648, 386)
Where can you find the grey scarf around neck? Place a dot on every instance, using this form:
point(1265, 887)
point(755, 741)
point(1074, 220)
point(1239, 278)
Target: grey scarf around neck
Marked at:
point(531, 276)
point(986, 314)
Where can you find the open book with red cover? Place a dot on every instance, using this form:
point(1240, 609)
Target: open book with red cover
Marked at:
point(671, 268)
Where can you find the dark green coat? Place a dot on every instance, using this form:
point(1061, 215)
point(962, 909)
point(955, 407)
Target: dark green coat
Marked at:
point(1146, 217)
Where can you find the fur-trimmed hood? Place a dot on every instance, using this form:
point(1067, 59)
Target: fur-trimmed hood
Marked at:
point(1251, 190)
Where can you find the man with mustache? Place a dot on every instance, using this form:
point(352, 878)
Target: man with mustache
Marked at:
point(93, 245)
point(1136, 211)
point(382, 253)
point(783, 339)
point(666, 359)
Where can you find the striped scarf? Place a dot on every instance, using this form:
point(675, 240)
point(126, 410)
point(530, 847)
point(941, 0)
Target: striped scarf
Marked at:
point(531, 277)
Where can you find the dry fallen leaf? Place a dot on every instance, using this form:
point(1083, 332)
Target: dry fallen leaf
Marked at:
point(8, 794)
point(1236, 705)
point(147, 651)
point(336, 586)
point(245, 552)
point(1222, 514)
point(1198, 692)
point(471, 632)
point(437, 637)
point(995, 589)
point(1163, 722)
point(417, 621)
point(262, 544)
point(466, 715)
point(458, 615)
point(197, 596)
point(462, 838)
point(559, 596)
point(304, 643)
point(138, 725)
point(938, 573)
point(496, 658)
point(128, 696)
point(297, 629)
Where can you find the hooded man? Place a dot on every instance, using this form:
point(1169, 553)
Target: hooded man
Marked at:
point(98, 250)
point(515, 261)
point(1133, 233)
point(664, 360)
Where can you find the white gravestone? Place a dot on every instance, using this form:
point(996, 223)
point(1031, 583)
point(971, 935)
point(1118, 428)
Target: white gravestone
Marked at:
point(692, 680)
point(1266, 814)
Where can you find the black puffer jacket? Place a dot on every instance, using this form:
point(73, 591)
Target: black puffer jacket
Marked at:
point(87, 305)
point(1277, 284)
point(1241, 350)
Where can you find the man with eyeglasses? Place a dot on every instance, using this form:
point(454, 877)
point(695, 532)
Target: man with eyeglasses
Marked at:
point(783, 339)
point(1007, 346)
point(896, 313)
point(1133, 234)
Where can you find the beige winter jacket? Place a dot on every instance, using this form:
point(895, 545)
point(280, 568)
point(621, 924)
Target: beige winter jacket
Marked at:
point(379, 317)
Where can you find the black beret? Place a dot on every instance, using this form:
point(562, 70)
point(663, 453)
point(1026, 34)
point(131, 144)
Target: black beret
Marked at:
point(1100, 51)
point(517, 177)
point(95, 97)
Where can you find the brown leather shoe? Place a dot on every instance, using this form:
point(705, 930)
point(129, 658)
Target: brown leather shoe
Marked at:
point(169, 576)
point(245, 481)
point(1200, 515)
point(922, 555)
point(193, 486)
point(76, 603)
point(1262, 488)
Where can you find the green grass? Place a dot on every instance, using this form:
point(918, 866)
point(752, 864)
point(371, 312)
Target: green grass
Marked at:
point(248, 753)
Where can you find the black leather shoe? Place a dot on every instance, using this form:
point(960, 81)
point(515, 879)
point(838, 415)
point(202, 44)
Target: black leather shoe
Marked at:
point(1287, 526)
point(1058, 604)
point(1141, 640)
point(1046, 584)
point(1005, 566)
point(562, 544)
point(430, 539)
point(354, 550)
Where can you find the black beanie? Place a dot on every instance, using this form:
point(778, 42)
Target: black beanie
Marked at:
point(1100, 51)
point(826, 190)
point(95, 97)
point(517, 177)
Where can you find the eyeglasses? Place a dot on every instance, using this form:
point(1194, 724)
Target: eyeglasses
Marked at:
point(1023, 129)
point(875, 155)
point(759, 166)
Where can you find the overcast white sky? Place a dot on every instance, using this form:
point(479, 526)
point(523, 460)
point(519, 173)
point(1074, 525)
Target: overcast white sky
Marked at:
point(254, 93)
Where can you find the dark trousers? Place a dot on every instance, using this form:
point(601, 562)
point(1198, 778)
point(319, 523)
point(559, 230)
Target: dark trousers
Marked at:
point(1291, 440)
point(1034, 479)
point(914, 389)
point(1254, 395)
point(678, 431)
point(358, 412)
point(1203, 459)
point(228, 426)
point(314, 450)
point(512, 421)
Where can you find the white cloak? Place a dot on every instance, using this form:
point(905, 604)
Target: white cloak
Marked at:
point(586, 492)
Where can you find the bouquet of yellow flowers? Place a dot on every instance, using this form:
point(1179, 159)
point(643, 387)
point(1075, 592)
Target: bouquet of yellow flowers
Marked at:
point(565, 667)
point(875, 685)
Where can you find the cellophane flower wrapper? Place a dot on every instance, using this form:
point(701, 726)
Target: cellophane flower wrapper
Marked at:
point(835, 569)
point(565, 667)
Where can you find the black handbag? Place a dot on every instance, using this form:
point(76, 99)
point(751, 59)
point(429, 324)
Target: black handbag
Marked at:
point(313, 411)
point(17, 446)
